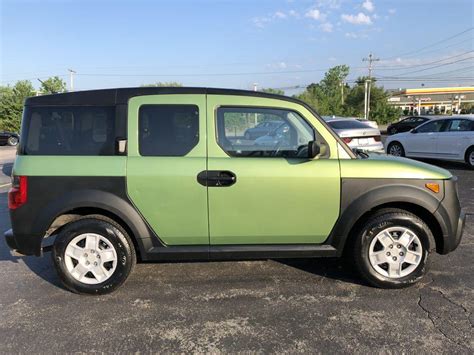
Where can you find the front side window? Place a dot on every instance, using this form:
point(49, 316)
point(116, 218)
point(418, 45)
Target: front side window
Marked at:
point(284, 133)
point(434, 126)
point(168, 130)
point(69, 130)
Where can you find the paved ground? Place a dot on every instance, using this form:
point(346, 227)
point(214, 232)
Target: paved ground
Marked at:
point(262, 306)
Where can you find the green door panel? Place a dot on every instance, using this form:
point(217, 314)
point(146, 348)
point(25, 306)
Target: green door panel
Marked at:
point(274, 200)
point(165, 189)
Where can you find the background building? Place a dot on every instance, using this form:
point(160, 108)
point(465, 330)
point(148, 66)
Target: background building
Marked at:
point(434, 100)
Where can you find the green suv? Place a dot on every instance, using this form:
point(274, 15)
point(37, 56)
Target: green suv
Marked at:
point(155, 174)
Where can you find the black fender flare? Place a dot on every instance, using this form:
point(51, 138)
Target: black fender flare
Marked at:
point(359, 196)
point(97, 199)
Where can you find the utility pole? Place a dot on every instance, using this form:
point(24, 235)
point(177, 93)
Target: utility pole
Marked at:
point(255, 86)
point(342, 92)
point(370, 59)
point(71, 79)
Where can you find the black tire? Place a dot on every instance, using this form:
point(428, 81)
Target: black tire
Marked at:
point(12, 141)
point(379, 222)
point(115, 235)
point(470, 157)
point(396, 146)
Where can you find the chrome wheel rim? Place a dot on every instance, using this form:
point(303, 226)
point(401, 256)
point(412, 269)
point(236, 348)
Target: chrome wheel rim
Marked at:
point(471, 158)
point(395, 150)
point(90, 258)
point(395, 252)
point(13, 141)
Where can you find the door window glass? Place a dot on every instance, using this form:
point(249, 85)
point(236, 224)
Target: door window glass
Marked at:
point(168, 130)
point(434, 126)
point(460, 125)
point(285, 133)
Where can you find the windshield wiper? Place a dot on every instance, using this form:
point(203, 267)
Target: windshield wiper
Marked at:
point(360, 153)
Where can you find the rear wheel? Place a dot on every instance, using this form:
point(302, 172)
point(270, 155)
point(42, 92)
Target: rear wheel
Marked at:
point(93, 255)
point(12, 141)
point(396, 149)
point(470, 157)
point(391, 249)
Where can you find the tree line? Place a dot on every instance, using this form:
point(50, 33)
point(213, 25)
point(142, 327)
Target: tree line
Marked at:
point(330, 96)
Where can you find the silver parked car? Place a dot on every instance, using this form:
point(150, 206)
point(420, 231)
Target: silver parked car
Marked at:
point(357, 135)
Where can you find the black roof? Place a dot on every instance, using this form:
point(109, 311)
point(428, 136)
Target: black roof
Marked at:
point(107, 97)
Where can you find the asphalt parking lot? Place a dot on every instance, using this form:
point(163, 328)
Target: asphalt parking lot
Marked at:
point(260, 306)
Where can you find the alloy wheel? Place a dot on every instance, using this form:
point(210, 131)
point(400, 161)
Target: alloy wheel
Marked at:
point(90, 258)
point(395, 252)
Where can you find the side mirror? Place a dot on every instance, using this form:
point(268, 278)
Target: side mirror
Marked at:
point(314, 149)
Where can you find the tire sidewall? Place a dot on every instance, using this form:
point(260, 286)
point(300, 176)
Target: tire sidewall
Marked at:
point(106, 230)
point(371, 230)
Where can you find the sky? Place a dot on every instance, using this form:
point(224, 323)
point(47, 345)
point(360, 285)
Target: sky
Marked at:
point(236, 43)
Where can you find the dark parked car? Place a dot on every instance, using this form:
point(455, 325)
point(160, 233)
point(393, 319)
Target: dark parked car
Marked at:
point(262, 129)
point(9, 138)
point(406, 124)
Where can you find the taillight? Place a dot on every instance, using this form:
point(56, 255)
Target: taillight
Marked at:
point(18, 193)
point(377, 138)
point(347, 140)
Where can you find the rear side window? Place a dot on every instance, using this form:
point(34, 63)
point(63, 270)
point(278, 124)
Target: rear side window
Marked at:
point(75, 130)
point(168, 130)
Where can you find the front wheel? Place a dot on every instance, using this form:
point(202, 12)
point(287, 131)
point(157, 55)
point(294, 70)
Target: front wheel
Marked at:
point(392, 248)
point(12, 141)
point(93, 255)
point(396, 149)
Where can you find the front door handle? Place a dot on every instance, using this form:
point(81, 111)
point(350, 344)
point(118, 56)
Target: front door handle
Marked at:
point(216, 178)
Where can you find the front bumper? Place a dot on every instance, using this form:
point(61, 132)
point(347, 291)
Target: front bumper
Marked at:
point(451, 218)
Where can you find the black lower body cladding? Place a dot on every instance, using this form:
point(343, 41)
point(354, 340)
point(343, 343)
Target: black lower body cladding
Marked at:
point(49, 197)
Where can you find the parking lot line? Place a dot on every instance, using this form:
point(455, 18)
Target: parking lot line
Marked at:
point(5, 185)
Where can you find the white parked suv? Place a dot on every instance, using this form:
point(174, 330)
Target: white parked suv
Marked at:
point(441, 138)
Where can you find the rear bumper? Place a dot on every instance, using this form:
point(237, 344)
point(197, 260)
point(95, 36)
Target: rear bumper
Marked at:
point(25, 245)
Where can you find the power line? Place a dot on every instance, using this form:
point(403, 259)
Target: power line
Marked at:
point(418, 50)
point(421, 65)
point(436, 66)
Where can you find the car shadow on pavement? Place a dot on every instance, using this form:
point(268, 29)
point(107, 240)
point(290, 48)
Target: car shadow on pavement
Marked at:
point(7, 169)
point(340, 269)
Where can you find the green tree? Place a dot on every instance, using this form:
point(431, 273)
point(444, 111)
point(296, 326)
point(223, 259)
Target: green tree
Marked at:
point(164, 84)
point(380, 110)
point(53, 85)
point(329, 94)
point(11, 104)
point(273, 91)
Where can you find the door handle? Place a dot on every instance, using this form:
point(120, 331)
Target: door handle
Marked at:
point(216, 178)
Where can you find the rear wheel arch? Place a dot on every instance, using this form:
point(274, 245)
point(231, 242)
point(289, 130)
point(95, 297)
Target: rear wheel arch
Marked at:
point(76, 214)
point(69, 207)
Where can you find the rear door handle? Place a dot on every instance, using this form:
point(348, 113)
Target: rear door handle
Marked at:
point(216, 178)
